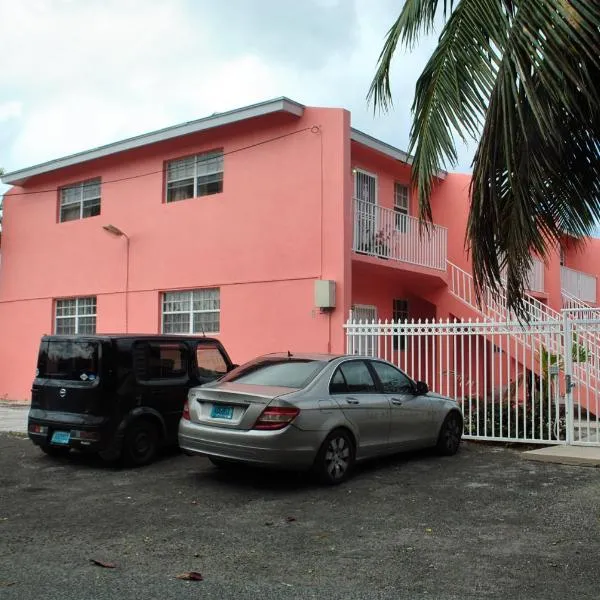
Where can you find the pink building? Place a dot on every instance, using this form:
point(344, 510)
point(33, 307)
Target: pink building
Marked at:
point(264, 225)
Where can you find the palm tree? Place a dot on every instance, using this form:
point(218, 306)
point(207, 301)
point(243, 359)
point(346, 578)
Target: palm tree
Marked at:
point(522, 78)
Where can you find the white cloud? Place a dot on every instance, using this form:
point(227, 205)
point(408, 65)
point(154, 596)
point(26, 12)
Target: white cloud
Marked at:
point(10, 110)
point(88, 73)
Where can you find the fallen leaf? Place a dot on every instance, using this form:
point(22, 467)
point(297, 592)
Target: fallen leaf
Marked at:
point(428, 530)
point(194, 501)
point(190, 576)
point(290, 519)
point(268, 523)
point(7, 583)
point(102, 563)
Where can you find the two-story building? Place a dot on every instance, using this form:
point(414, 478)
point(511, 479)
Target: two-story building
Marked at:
point(265, 226)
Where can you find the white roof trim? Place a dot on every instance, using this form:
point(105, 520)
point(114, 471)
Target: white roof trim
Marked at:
point(374, 144)
point(216, 120)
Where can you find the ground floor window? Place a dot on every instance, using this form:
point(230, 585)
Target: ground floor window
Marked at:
point(75, 316)
point(192, 311)
point(400, 313)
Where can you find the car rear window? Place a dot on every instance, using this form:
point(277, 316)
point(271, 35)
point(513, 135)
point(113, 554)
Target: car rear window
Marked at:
point(278, 373)
point(68, 360)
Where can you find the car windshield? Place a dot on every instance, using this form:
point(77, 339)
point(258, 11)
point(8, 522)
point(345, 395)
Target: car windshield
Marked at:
point(68, 360)
point(277, 373)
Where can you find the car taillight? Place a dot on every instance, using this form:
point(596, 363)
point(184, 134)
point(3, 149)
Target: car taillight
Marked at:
point(186, 411)
point(276, 417)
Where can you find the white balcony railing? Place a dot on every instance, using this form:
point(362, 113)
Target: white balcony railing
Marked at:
point(578, 284)
point(388, 234)
point(535, 279)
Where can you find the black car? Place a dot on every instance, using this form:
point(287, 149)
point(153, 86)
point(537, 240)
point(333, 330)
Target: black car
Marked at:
point(120, 396)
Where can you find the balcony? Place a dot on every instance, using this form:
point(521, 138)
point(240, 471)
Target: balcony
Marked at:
point(578, 284)
point(387, 234)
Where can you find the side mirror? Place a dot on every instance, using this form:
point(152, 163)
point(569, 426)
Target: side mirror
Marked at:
point(421, 388)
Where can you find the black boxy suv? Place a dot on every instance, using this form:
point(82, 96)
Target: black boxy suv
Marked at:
point(117, 395)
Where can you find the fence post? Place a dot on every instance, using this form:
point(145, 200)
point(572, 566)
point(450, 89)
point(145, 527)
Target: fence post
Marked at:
point(568, 358)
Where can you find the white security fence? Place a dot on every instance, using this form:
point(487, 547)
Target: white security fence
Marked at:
point(514, 382)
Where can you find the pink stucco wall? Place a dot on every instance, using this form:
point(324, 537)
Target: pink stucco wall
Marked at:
point(281, 222)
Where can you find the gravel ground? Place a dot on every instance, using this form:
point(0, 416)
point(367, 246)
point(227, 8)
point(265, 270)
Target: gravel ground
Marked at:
point(484, 523)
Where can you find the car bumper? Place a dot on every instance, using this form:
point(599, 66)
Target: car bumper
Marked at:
point(85, 436)
point(288, 448)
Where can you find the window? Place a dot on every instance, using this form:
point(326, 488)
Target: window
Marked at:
point(68, 361)
point(338, 384)
point(80, 201)
point(194, 176)
point(365, 187)
point(76, 316)
point(401, 206)
point(358, 378)
point(279, 373)
point(210, 361)
point(161, 360)
point(392, 380)
point(193, 311)
point(400, 314)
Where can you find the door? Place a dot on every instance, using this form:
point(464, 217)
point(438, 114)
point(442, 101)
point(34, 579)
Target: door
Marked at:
point(162, 371)
point(411, 418)
point(355, 391)
point(365, 343)
point(365, 228)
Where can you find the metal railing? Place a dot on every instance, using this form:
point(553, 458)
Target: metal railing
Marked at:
point(387, 234)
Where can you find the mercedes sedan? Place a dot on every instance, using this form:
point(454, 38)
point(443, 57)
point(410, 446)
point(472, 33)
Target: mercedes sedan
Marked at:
point(320, 412)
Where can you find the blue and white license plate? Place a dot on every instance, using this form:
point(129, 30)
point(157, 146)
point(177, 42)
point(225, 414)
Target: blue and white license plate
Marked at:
point(61, 437)
point(221, 412)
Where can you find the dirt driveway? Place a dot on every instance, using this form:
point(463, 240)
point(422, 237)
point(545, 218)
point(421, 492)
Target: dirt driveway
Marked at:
point(483, 524)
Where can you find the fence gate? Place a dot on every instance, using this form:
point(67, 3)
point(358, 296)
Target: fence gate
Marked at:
point(514, 382)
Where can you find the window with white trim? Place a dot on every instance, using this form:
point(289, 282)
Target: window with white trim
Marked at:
point(75, 316)
point(195, 176)
point(401, 206)
point(80, 201)
point(192, 311)
point(400, 314)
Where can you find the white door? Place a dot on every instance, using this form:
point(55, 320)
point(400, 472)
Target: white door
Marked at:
point(366, 343)
point(365, 224)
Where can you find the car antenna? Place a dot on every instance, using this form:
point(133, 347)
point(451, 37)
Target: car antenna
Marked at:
point(289, 354)
point(203, 332)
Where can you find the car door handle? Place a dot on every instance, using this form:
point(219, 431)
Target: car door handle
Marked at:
point(397, 401)
point(352, 401)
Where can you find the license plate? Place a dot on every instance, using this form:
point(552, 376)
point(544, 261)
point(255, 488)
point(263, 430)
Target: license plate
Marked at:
point(221, 412)
point(61, 437)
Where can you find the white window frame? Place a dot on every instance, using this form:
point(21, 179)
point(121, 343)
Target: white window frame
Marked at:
point(401, 206)
point(198, 158)
point(81, 186)
point(79, 302)
point(356, 172)
point(191, 312)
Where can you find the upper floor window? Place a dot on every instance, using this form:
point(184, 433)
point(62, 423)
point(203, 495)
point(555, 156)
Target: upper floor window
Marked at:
point(194, 176)
point(76, 316)
point(401, 206)
point(80, 200)
point(193, 311)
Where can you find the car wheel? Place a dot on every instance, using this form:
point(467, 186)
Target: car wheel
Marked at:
point(141, 443)
point(450, 435)
point(55, 450)
point(335, 459)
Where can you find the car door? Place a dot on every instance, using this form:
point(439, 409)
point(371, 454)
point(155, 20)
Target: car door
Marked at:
point(163, 379)
point(355, 392)
point(411, 419)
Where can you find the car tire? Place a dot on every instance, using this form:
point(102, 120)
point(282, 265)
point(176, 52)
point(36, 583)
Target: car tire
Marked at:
point(141, 442)
point(335, 459)
point(55, 451)
point(450, 435)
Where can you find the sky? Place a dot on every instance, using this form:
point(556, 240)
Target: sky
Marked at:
point(77, 74)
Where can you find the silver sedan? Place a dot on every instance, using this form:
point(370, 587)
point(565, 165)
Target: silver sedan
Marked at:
point(314, 411)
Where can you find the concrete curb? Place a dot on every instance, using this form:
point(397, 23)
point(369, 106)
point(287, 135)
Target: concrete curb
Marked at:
point(579, 456)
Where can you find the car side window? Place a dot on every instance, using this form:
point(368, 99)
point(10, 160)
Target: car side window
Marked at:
point(338, 384)
point(358, 377)
point(210, 361)
point(161, 360)
point(393, 380)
